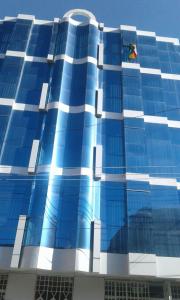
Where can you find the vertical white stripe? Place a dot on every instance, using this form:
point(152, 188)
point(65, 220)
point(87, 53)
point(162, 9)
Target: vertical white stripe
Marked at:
point(99, 103)
point(98, 161)
point(101, 55)
point(33, 157)
point(42, 103)
point(18, 242)
point(96, 246)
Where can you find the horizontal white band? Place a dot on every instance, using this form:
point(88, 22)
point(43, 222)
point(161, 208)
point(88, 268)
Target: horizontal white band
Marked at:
point(25, 107)
point(54, 171)
point(76, 61)
point(16, 53)
point(71, 109)
point(90, 59)
point(127, 113)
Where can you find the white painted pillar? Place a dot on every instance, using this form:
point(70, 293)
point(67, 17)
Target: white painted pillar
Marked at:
point(42, 102)
point(99, 103)
point(33, 157)
point(98, 162)
point(96, 246)
point(101, 55)
point(18, 242)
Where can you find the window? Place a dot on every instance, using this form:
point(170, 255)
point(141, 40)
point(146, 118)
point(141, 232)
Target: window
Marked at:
point(54, 288)
point(3, 284)
point(133, 290)
point(175, 289)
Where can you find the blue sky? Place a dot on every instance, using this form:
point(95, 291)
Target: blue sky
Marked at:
point(161, 16)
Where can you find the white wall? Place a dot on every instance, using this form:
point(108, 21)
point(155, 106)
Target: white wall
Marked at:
point(21, 286)
point(88, 288)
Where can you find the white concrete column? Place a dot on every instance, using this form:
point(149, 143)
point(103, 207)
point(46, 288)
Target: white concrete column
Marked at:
point(98, 162)
point(21, 286)
point(101, 55)
point(42, 102)
point(96, 246)
point(88, 288)
point(99, 103)
point(18, 242)
point(33, 157)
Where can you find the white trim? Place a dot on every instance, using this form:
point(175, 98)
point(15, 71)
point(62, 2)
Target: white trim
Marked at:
point(25, 107)
point(91, 109)
point(77, 61)
point(76, 23)
point(113, 177)
point(6, 101)
point(128, 65)
point(146, 33)
point(111, 29)
point(26, 17)
point(50, 58)
point(12, 19)
point(43, 169)
point(128, 28)
point(137, 177)
point(112, 115)
point(174, 41)
point(71, 171)
point(43, 22)
point(16, 53)
point(170, 76)
point(89, 59)
point(155, 120)
point(112, 67)
point(173, 124)
point(79, 12)
point(150, 71)
point(163, 181)
point(127, 113)
point(5, 169)
point(36, 59)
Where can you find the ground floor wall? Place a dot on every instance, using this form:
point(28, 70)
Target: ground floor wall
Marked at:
point(47, 286)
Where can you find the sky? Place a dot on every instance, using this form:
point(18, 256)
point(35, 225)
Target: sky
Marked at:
point(161, 16)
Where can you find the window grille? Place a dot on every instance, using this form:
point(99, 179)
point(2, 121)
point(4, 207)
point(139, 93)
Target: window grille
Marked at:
point(175, 290)
point(3, 284)
point(133, 290)
point(54, 288)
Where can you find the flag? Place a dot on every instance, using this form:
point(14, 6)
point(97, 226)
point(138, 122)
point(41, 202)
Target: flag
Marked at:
point(132, 51)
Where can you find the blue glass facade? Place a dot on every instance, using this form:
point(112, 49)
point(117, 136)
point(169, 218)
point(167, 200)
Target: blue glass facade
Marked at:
point(137, 195)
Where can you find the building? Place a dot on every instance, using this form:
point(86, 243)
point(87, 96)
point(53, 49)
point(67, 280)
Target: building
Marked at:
point(89, 161)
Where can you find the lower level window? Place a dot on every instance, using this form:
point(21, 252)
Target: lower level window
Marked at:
point(54, 288)
point(133, 290)
point(175, 290)
point(3, 284)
